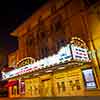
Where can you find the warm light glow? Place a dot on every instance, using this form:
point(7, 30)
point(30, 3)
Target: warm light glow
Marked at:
point(63, 55)
point(80, 53)
point(61, 67)
point(89, 78)
point(49, 71)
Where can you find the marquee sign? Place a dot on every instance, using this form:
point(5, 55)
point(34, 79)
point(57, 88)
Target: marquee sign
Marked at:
point(25, 61)
point(66, 53)
point(79, 54)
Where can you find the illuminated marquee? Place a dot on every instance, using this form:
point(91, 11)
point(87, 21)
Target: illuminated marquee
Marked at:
point(66, 53)
point(79, 54)
point(25, 61)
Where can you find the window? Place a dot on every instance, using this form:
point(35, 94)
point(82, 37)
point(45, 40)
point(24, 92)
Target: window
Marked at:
point(22, 87)
point(63, 86)
point(36, 90)
point(17, 86)
point(71, 85)
point(53, 8)
point(38, 36)
point(58, 86)
point(89, 78)
point(41, 29)
point(56, 26)
point(14, 90)
point(60, 43)
point(77, 84)
point(29, 41)
point(44, 52)
point(43, 35)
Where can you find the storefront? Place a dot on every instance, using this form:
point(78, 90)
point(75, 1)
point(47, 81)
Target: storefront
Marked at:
point(13, 88)
point(64, 82)
point(67, 73)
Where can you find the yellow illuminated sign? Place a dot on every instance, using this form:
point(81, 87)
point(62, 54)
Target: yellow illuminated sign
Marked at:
point(25, 61)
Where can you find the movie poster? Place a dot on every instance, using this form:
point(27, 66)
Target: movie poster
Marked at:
point(89, 78)
point(22, 87)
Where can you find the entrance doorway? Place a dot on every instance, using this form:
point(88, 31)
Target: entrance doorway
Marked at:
point(46, 87)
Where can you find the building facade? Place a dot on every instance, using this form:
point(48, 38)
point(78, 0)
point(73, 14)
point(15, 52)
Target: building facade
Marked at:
point(56, 24)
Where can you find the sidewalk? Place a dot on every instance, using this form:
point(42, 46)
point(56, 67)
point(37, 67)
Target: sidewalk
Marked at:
point(58, 98)
point(4, 98)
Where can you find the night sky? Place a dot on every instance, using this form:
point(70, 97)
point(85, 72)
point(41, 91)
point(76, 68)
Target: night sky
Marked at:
point(12, 14)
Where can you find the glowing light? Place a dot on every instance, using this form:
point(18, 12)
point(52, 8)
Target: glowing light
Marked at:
point(79, 53)
point(49, 71)
point(61, 67)
point(63, 55)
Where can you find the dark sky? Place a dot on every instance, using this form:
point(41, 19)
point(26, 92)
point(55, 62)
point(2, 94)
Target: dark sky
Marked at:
point(12, 14)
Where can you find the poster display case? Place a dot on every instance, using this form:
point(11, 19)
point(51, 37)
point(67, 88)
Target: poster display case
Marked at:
point(89, 78)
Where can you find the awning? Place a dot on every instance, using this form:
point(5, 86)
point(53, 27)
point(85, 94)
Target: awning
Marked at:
point(11, 83)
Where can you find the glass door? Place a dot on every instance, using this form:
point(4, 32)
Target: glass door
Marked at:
point(46, 87)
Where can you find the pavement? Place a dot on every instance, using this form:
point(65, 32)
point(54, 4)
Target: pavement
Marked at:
point(2, 98)
point(57, 98)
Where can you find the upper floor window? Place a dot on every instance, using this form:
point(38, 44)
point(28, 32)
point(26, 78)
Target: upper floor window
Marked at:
point(29, 41)
point(42, 34)
point(57, 24)
point(60, 43)
point(44, 52)
point(37, 36)
point(41, 29)
point(53, 7)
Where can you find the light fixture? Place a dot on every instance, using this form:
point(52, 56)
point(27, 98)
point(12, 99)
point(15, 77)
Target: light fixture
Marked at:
point(36, 74)
point(48, 71)
point(61, 67)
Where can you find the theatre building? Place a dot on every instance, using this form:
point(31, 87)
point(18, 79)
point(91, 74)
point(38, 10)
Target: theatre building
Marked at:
point(53, 57)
